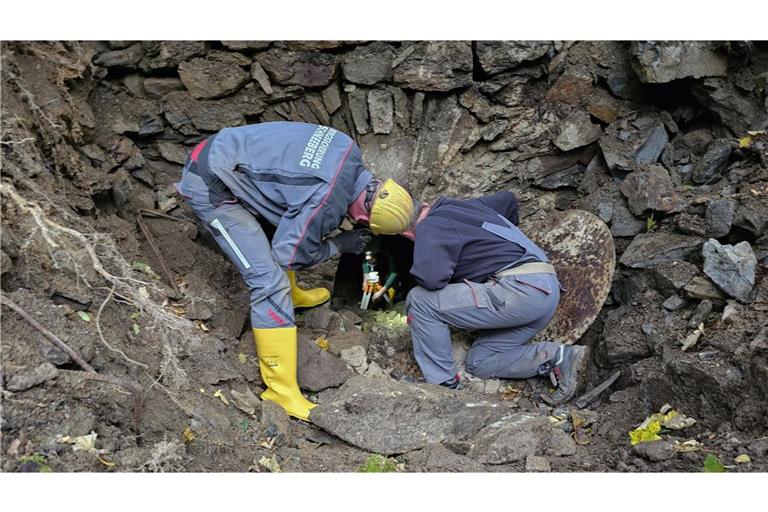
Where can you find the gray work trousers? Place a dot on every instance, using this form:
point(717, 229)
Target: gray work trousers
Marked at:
point(509, 311)
point(242, 239)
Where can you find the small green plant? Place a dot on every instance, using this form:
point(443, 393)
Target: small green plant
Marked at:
point(650, 224)
point(378, 464)
point(37, 459)
point(243, 425)
point(713, 465)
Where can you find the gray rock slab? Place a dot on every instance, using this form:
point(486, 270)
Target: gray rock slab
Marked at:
point(537, 464)
point(663, 61)
point(169, 54)
point(700, 313)
point(701, 287)
point(650, 249)
point(561, 444)
point(711, 165)
point(623, 223)
point(128, 58)
point(389, 417)
point(346, 339)
point(437, 458)
point(731, 267)
point(674, 303)
point(157, 87)
point(670, 276)
point(735, 109)
point(381, 108)
point(623, 340)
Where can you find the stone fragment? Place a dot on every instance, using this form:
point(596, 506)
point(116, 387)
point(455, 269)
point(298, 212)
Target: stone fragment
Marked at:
point(157, 87)
point(27, 379)
point(198, 309)
point(150, 124)
point(649, 249)
point(438, 458)
point(434, 66)
point(169, 54)
point(623, 340)
point(358, 105)
point(561, 444)
point(127, 58)
point(173, 152)
point(355, 357)
point(511, 439)
point(623, 223)
point(274, 423)
point(331, 98)
point(719, 216)
point(318, 318)
point(674, 303)
point(245, 401)
point(577, 130)
point(655, 451)
point(382, 110)
point(711, 165)
point(258, 74)
point(691, 224)
point(368, 64)
point(497, 56)
point(653, 146)
point(239, 46)
point(700, 314)
point(318, 369)
point(215, 76)
point(537, 464)
point(188, 115)
point(308, 69)
point(650, 190)
point(663, 61)
point(731, 268)
point(700, 287)
point(670, 276)
point(627, 141)
point(347, 339)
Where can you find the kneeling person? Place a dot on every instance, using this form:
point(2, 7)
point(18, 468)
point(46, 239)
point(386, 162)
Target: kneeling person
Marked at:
point(477, 270)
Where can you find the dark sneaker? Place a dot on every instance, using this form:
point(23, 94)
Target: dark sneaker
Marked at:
point(567, 369)
point(454, 383)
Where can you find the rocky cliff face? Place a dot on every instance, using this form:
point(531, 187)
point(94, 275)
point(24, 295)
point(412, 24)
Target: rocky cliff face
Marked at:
point(665, 141)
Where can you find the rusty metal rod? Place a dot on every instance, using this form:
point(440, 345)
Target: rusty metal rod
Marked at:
point(155, 249)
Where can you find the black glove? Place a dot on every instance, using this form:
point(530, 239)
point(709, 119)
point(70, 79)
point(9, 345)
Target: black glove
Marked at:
point(352, 241)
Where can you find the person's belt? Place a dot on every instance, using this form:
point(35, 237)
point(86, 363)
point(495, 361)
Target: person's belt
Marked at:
point(536, 267)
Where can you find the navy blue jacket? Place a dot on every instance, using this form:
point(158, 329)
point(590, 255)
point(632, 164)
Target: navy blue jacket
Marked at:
point(451, 245)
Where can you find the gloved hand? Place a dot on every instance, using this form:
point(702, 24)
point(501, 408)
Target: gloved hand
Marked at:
point(378, 294)
point(352, 241)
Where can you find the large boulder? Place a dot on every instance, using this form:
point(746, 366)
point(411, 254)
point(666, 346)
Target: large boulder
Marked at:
point(389, 417)
point(731, 268)
point(434, 66)
point(369, 64)
point(218, 75)
point(307, 69)
point(659, 62)
point(511, 439)
point(497, 56)
point(737, 111)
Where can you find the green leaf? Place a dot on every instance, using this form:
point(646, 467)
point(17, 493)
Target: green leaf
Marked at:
point(712, 464)
point(84, 316)
point(141, 266)
point(243, 425)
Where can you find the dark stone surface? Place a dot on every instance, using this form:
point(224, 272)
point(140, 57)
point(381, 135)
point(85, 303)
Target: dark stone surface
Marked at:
point(720, 215)
point(731, 267)
point(382, 111)
point(700, 313)
point(577, 130)
point(655, 451)
point(157, 87)
point(670, 276)
point(308, 69)
point(649, 249)
point(511, 439)
point(369, 64)
point(128, 58)
point(736, 110)
point(650, 190)
point(437, 458)
point(623, 340)
point(169, 54)
point(26, 379)
point(711, 165)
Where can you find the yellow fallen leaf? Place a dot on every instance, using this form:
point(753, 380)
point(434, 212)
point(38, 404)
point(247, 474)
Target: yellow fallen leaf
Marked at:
point(745, 141)
point(322, 342)
point(243, 358)
point(218, 394)
point(202, 390)
point(645, 433)
point(106, 462)
point(691, 445)
point(742, 459)
point(270, 464)
point(201, 325)
point(188, 435)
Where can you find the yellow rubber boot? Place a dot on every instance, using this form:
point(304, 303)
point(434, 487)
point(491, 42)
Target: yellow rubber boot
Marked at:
point(277, 351)
point(306, 298)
